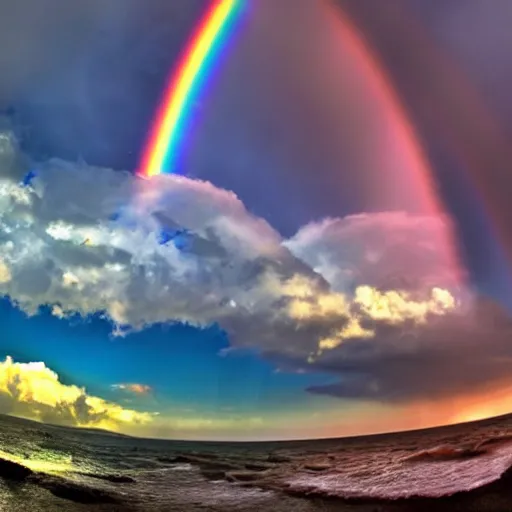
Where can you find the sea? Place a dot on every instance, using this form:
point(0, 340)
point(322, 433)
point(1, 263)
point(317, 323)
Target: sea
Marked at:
point(53, 468)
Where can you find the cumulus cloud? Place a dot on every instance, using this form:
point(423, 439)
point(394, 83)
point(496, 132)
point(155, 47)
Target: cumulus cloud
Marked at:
point(376, 299)
point(34, 391)
point(387, 250)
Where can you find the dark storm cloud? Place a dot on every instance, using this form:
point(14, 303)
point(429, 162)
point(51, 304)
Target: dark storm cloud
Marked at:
point(453, 355)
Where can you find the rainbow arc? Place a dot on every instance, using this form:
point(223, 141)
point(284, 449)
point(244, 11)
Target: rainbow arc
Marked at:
point(185, 86)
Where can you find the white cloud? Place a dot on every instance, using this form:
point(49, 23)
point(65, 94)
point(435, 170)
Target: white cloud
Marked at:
point(388, 250)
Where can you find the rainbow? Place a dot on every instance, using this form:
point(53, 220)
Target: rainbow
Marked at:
point(186, 83)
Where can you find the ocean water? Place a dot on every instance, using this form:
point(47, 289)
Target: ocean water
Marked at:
point(75, 470)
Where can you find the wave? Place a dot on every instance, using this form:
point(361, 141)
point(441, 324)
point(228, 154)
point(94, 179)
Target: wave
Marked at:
point(444, 452)
point(490, 496)
point(445, 474)
point(493, 441)
point(450, 452)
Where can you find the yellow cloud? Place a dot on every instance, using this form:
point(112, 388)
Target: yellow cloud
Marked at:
point(307, 302)
point(353, 329)
point(33, 390)
point(394, 307)
point(5, 273)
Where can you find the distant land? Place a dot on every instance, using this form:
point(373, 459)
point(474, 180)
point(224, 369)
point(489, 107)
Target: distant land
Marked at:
point(383, 435)
point(89, 430)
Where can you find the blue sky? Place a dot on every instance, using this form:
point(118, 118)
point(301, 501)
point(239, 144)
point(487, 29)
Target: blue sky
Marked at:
point(185, 366)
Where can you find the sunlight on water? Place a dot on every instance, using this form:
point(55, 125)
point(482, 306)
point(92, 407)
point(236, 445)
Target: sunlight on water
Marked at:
point(44, 461)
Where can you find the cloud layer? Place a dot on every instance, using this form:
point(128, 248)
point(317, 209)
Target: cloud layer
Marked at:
point(372, 298)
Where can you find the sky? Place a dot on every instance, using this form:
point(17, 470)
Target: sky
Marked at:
point(343, 266)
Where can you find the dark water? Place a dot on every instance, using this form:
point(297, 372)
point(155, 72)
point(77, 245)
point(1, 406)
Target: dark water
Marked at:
point(77, 470)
